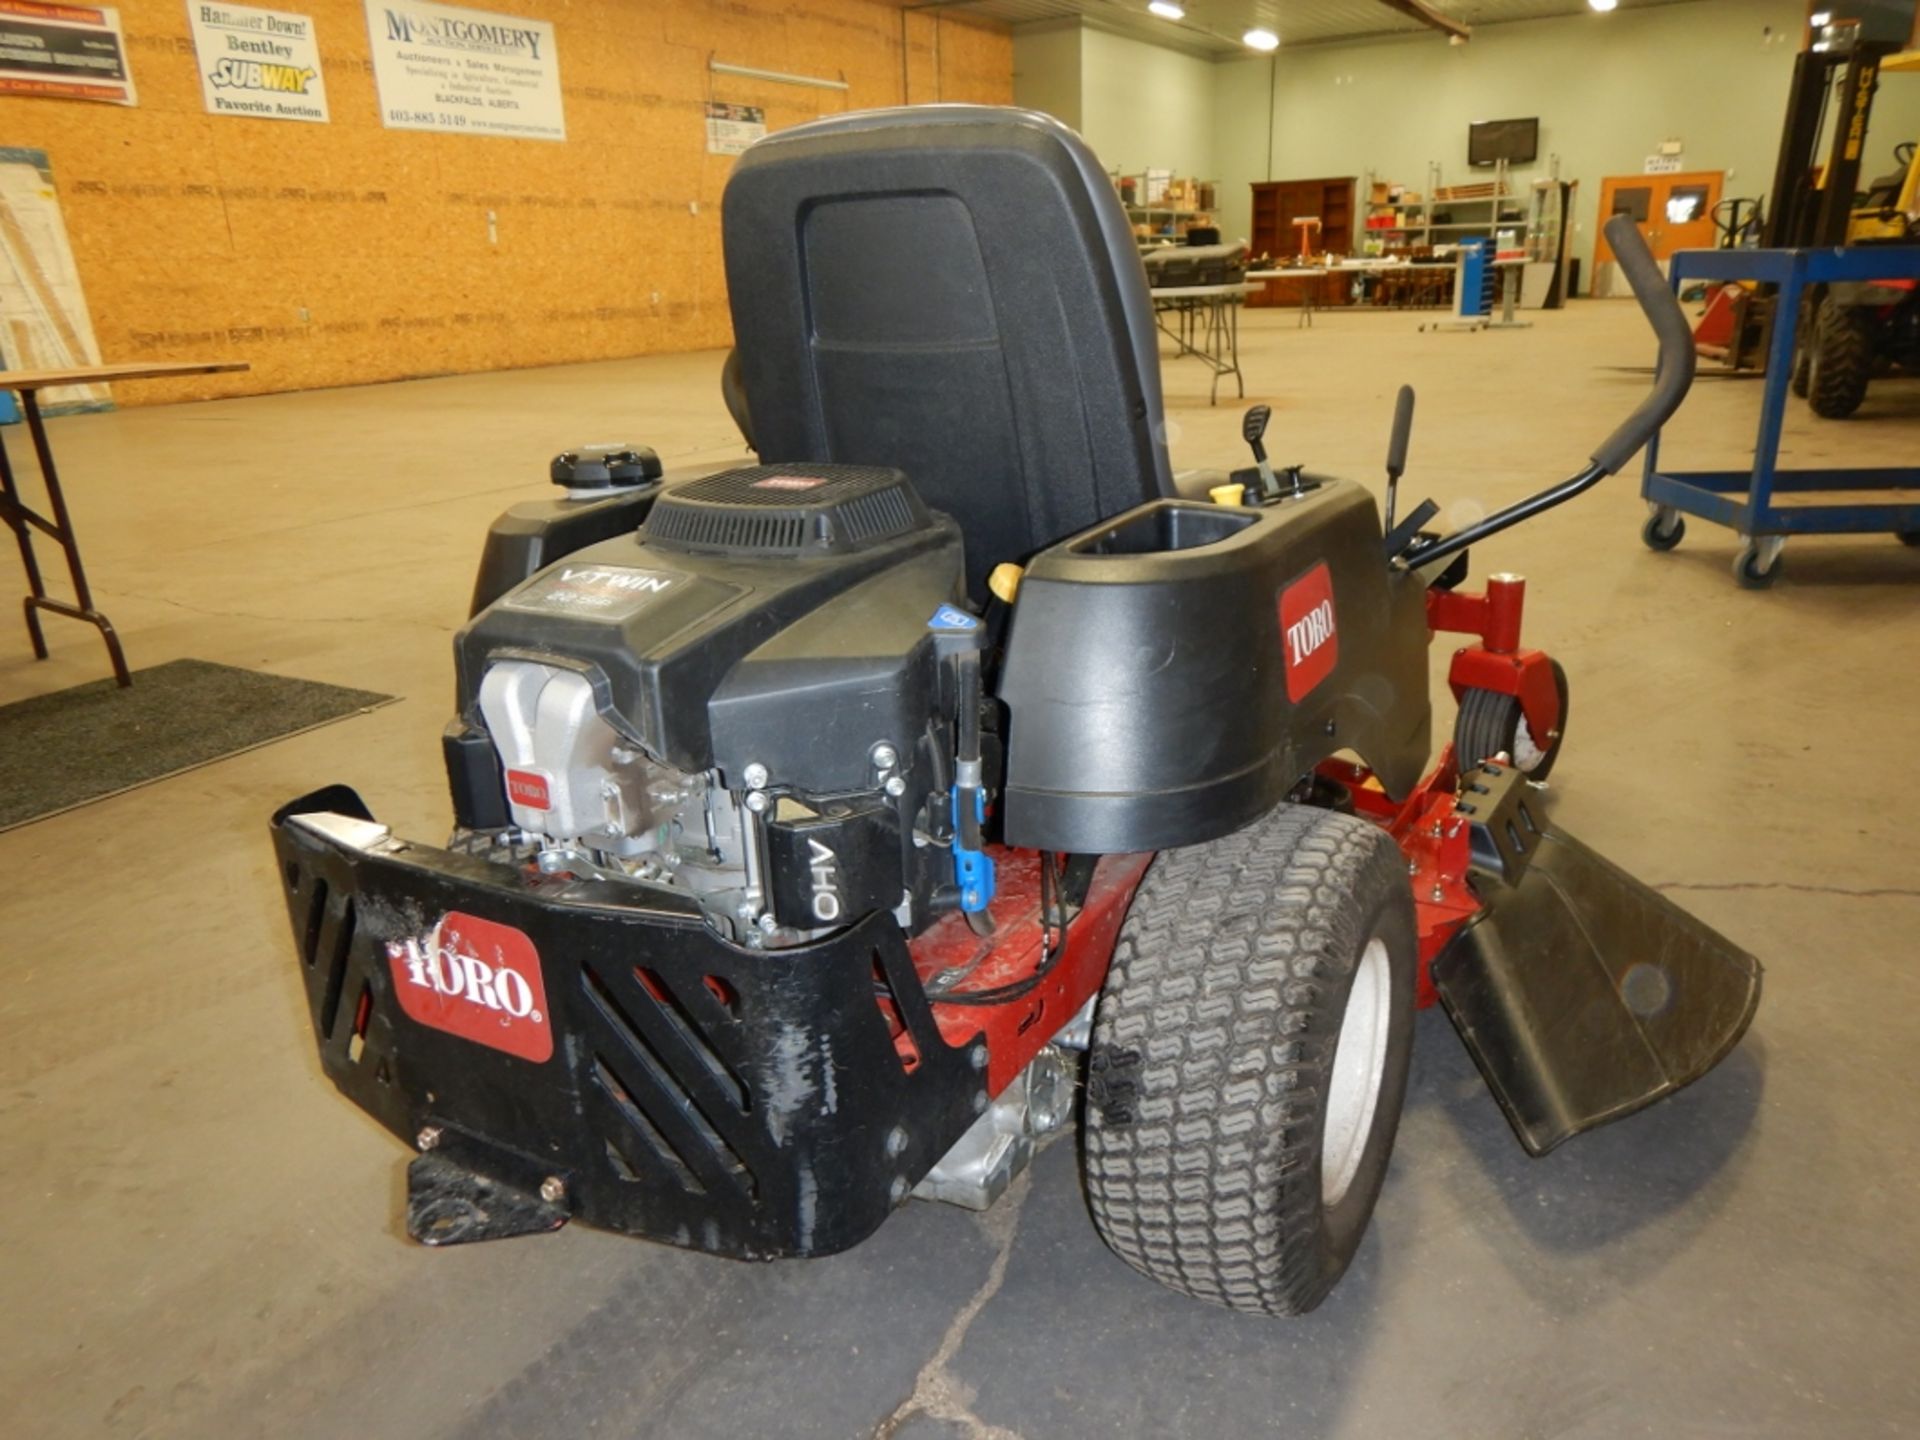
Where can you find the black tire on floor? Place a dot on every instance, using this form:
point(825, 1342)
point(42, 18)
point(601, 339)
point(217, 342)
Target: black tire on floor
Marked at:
point(1224, 1044)
point(1747, 572)
point(1655, 537)
point(1490, 724)
point(1842, 361)
point(1800, 377)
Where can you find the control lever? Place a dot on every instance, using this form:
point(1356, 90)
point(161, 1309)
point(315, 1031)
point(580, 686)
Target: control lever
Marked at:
point(1397, 448)
point(1253, 429)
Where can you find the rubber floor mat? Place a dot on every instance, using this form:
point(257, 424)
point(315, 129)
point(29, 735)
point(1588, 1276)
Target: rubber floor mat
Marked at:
point(75, 746)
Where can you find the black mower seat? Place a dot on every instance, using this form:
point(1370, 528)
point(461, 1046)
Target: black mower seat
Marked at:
point(952, 290)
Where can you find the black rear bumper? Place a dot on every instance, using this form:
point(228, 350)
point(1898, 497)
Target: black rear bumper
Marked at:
point(676, 1086)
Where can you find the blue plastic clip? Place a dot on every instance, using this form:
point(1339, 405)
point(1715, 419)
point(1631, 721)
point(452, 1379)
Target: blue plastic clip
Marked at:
point(972, 869)
point(948, 619)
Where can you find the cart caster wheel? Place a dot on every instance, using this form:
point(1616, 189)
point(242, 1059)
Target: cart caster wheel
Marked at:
point(1754, 568)
point(1909, 537)
point(1657, 536)
point(1490, 724)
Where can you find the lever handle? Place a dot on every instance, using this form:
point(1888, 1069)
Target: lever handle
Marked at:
point(1253, 428)
point(1402, 432)
point(1673, 372)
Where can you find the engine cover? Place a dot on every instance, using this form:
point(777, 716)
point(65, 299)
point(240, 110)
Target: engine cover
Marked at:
point(712, 644)
point(787, 510)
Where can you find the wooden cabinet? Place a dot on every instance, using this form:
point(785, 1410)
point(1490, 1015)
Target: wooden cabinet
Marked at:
point(1276, 205)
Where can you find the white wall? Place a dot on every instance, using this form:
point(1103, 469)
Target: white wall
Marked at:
point(1137, 105)
point(1142, 106)
point(1046, 71)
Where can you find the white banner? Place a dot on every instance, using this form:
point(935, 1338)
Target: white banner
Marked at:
point(258, 62)
point(732, 128)
point(474, 72)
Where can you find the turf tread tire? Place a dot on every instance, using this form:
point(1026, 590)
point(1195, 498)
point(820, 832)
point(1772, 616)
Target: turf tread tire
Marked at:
point(1212, 1048)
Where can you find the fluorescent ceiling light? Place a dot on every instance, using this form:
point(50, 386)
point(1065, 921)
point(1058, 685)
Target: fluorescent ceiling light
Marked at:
point(1260, 40)
point(1820, 19)
point(1603, 6)
point(1166, 10)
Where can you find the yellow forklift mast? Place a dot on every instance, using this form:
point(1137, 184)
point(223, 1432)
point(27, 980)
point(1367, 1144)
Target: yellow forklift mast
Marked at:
point(1816, 184)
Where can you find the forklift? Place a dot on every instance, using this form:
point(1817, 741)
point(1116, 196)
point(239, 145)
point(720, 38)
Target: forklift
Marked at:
point(1860, 329)
point(1815, 202)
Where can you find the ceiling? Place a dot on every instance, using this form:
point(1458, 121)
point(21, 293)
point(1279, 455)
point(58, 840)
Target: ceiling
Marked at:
point(1213, 27)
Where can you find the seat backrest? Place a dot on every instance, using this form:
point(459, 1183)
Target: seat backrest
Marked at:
point(952, 290)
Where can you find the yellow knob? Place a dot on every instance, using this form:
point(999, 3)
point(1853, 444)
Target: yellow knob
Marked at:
point(1227, 494)
point(1005, 581)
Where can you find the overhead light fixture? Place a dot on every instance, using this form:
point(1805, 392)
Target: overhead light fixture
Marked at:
point(1603, 6)
point(1260, 40)
point(1166, 9)
point(1820, 19)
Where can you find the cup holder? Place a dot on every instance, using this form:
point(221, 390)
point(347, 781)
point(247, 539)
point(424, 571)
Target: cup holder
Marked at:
point(1165, 526)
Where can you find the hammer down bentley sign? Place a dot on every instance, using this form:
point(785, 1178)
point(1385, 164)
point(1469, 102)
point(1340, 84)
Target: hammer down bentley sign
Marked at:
point(259, 63)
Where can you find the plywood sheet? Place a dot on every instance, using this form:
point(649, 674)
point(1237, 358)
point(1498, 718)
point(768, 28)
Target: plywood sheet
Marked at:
point(345, 253)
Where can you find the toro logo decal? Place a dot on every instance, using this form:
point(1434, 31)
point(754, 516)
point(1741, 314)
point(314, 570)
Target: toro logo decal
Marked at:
point(529, 788)
point(475, 979)
point(1309, 633)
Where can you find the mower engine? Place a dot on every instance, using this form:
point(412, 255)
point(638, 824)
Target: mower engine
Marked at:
point(675, 727)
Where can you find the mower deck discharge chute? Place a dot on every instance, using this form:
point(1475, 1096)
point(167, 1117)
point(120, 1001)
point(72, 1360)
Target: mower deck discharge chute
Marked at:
point(822, 824)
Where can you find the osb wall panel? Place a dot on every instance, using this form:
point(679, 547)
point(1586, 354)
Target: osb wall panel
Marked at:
point(344, 253)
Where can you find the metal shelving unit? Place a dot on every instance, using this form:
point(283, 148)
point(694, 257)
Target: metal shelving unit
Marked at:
point(1163, 221)
point(1501, 210)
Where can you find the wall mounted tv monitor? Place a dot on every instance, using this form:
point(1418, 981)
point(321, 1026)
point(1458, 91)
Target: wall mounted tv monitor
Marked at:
point(1515, 141)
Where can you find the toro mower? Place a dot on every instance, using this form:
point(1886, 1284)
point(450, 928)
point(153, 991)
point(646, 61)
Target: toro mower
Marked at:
point(830, 829)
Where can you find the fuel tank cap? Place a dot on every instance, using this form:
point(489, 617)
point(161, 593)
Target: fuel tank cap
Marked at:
point(606, 467)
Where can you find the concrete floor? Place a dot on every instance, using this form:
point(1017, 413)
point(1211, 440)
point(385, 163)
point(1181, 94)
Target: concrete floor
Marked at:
point(198, 1237)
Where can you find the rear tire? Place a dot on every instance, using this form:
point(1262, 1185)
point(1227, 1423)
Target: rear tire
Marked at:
point(1842, 361)
point(1490, 723)
point(1800, 378)
point(1249, 1060)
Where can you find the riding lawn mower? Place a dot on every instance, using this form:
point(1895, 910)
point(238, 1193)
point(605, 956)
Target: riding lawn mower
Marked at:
point(829, 830)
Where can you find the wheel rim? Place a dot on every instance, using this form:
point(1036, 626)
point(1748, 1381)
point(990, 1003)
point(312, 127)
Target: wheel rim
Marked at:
point(1527, 754)
point(1359, 1067)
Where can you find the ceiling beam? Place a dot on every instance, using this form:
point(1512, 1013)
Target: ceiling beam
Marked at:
point(1423, 12)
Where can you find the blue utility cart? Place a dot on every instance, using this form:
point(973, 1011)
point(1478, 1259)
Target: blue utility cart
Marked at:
point(1744, 499)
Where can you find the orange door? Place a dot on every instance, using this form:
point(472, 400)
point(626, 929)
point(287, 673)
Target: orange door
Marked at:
point(1674, 212)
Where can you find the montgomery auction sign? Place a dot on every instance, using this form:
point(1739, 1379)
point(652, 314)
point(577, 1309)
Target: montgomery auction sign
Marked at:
point(63, 52)
point(264, 63)
point(472, 72)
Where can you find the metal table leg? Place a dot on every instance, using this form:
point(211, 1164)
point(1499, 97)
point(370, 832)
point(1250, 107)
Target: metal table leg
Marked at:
point(59, 529)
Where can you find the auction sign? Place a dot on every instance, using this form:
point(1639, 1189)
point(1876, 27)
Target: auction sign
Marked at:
point(732, 128)
point(66, 52)
point(472, 72)
point(258, 62)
